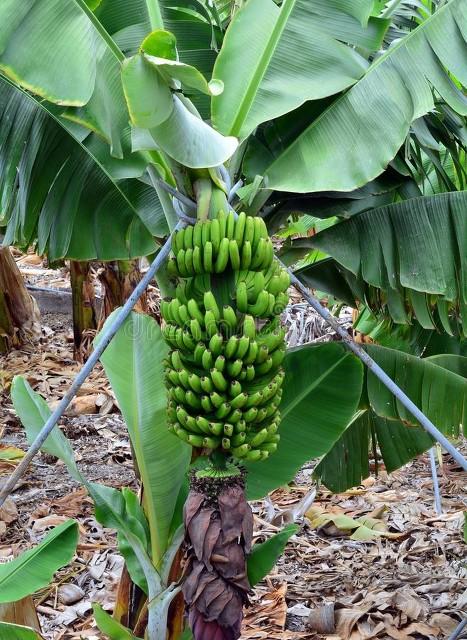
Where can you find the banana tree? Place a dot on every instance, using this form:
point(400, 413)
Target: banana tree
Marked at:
point(305, 102)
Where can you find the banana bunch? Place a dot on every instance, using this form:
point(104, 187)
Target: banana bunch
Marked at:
point(224, 372)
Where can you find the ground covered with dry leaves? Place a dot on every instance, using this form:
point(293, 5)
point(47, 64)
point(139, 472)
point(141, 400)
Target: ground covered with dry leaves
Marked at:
point(374, 562)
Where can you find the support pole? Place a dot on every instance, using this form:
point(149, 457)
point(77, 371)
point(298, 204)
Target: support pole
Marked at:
point(377, 371)
point(434, 475)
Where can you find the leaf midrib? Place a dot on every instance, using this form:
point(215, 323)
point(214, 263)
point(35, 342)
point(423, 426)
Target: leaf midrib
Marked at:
point(262, 66)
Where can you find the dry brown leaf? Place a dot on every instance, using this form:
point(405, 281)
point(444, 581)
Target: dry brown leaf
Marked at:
point(42, 524)
point(8, 511)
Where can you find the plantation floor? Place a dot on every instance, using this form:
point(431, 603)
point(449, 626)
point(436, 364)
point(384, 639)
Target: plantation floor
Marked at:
point(409, 581)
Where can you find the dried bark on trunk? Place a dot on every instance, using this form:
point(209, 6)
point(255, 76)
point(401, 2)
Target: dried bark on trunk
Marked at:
point(84, 315)
point(119, 279)
point(219, 526)
point(19, 313)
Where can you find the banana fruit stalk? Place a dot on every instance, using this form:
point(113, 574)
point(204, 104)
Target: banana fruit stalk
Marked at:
point(224, 373)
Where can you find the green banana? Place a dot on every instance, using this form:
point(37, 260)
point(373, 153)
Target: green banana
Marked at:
point(234, 255)
point(242, 297)
point(215, 344)
point(222, 256)
point(208, 257)
point(223, 374)
point(240, 228)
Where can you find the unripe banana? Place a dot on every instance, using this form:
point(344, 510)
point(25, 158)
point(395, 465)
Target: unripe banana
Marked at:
point(207, 359)
point(178, 241)
point(242, 347)
point(195, 311)
point(198, 235)
point(242, 297)
point(210, 304)
point(259, 438)
point(198, 353)
point(211, 443)
point(183, 376)
point(198, 265)
point(228, 429)
point(195, 440)
point(196, 330)
point(210, 324)
point(203, 424)
point(223, 376)
point(241, 451)
point(217, 399)
point(206, 384)
point(206, 404)
point(172, 268)
point(221, 216)
point(249, 233)
point(223, 410)
point(219, 363)
point(235, 389)
point(254, 455)
point(208, 259)
point(215, 235)
point(260, 307)
point(188, 238)
point(235, 416)
point(181, 263)
point(215, 344)
point(176, 360)
point(240, 228)
point(238, 439)
point(193, 399)
point(249, 327)
point(205, 233)
point(234, 368)
point(231, 347)
point(216, 428)
point(234, 255)
point(239, 401)
point(222, 256)
point(230, 226)
point(220, 383)
point(195, 383)
point(263, 353)
point(230, 317)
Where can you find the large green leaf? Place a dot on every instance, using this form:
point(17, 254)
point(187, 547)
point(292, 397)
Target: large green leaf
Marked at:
point(173, 123)
point(347, 464)
point(34, 569)
point(355, 138)
point(274, 59)
point(58, 189)
point(17, 632)
point(33, 411)
point(265, 554)
point(118, 509)
point(57, 49)
point(134, 364)
point(438, 392)
point(322, 388)
point(111, 627)
point(408, 249)
point(130, 22)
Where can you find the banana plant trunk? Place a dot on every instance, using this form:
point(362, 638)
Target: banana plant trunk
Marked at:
point(84, 313)
point(19, 313)
point(119, 279)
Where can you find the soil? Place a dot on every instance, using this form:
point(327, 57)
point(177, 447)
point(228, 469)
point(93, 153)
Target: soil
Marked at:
point(408, 581)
